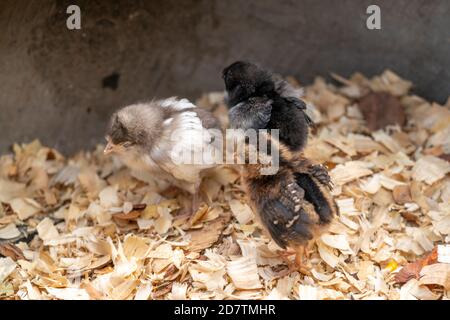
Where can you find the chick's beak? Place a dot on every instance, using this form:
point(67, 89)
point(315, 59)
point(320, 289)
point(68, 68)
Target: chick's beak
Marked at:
point(110, 147)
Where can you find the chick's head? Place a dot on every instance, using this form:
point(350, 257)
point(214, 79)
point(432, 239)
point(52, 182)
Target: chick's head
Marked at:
point(244, 80)
point(132, 127)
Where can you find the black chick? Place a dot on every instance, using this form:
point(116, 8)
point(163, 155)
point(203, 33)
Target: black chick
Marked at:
point(260, 100)
point(294, 205)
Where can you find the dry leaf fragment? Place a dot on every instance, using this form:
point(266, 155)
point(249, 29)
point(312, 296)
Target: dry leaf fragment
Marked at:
point(132, 215)
point(402, 194)
point(12, 251)
point(139, 206)
point(381, 109)
point(412, 270)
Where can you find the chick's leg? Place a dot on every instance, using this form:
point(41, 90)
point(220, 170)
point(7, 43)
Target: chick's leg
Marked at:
point(299, 255)
point(300, 258)
point(195, 198)
point(198, 198)
point(284, 255)
point(297, 265)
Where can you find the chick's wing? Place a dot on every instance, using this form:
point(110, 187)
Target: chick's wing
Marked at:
point(287, 216)
point(253, 113)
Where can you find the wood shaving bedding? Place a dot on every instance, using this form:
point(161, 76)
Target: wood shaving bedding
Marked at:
point(85, 227)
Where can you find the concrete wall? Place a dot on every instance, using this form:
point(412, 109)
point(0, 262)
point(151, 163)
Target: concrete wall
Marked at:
point(60, 85)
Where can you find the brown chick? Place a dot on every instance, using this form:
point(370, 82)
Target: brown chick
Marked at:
point(166, 138)
point(294, 205)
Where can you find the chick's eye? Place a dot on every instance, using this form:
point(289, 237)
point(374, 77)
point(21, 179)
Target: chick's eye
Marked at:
point(127, 144)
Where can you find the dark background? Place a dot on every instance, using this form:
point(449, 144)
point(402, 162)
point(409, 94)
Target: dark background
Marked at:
point(60, 85)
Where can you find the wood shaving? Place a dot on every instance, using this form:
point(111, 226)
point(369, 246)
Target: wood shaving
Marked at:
point(438, 273)
point(241, 211)
point(9, 232)
point(24, 207)
point(430, 169)
point(244, 273)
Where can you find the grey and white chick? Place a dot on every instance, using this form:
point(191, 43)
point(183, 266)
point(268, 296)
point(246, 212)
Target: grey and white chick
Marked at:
point(154, 136)
point(259, 99)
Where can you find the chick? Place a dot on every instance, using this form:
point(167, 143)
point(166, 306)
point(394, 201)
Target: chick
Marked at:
point(154, 136)
point(294, 204)
point(259, 100)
